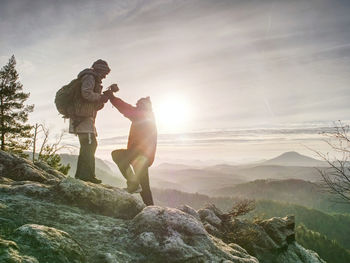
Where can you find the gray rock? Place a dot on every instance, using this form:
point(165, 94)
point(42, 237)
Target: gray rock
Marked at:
point(271, 241)
point(48, 244)
point(238, 253)
point(9, 252)
point(96, 234)
point(28, 188)
point(298, 254)
point(189, 210)
point(212, 230)
point(209, 216)
point(238, 248)
point(170, 235)
point(101, 199)
point(20, 169)
point(281, 230)
point(105, 258)
point(4, 180)
point(48, 169)
point(216, 211)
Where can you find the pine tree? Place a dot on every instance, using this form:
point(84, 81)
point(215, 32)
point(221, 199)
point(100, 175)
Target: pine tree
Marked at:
point(14, 130)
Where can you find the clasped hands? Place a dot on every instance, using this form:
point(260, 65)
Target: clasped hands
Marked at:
point(108, 94)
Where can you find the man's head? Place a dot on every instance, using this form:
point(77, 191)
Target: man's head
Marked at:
point(101, 68)
point(144, 104)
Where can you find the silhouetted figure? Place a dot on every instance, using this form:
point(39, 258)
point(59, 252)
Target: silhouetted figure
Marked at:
point(89, 101)
point(141, 147)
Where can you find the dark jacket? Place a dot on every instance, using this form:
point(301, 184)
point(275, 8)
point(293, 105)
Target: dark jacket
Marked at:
point(143, 131)
point(90, 93)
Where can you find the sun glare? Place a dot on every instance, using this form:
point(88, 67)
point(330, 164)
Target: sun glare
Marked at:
point(172, 114)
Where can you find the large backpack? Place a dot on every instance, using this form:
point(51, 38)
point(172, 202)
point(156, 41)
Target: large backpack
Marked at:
point(66, 96)
point(71, 104)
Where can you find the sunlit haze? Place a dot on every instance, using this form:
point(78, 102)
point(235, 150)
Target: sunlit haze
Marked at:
point(173, 114)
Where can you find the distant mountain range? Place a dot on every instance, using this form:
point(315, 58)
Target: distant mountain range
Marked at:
point(175, 166)
point(191, 180)
point(289, 165)
point(294, 159)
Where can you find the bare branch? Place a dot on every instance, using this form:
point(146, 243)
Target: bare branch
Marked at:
point(46, 132)
point(336, 177)
point(241, 207)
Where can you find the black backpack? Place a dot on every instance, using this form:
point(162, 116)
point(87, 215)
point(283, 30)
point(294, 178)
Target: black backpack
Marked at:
point(66, 96)
point(71, 104)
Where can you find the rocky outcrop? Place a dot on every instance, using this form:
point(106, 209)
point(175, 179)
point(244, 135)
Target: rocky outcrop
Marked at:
point(48, 244)
point(208, 216)
point(9, 252)
point(271, 241)
point(47, 217)
point(172, 234)
point(100, 199)
point(20, 169)
point(20, 176)
point(189, 210)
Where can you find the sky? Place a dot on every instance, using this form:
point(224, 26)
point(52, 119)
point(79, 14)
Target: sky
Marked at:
point(230, 80)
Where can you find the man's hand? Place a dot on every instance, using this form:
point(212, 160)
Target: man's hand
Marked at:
point(108, 93)
point(104, 98)
point(113, 87)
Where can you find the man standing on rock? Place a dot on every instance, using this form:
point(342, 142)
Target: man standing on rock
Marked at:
point(88, 101)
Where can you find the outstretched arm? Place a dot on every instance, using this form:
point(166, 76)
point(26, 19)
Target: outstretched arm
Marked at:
point(129, 111)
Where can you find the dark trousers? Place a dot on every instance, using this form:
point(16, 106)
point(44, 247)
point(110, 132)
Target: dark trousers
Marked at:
point(86, 159)
point(126, 158)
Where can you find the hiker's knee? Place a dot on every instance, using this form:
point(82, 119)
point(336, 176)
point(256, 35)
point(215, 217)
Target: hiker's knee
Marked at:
point(117, 155)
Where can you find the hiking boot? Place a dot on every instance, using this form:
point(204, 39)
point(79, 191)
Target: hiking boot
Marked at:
point(82, 178)
point(94, 180)
point(135, 189)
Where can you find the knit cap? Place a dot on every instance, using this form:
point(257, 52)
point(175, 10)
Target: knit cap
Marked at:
point(101, 66)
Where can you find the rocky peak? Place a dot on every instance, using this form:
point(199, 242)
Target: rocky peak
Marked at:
point(48, 217)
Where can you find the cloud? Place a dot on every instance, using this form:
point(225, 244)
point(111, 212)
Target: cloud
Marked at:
point(25, 67)
point(227, 137)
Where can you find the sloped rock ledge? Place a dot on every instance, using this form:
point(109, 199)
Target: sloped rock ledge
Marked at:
point(20, 176)
point(20, 169)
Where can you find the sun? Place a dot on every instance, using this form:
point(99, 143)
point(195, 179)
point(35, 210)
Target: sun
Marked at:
point(173, 113)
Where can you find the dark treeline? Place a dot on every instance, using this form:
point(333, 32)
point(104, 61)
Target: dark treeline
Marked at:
point(329, 250)
point(334, 226)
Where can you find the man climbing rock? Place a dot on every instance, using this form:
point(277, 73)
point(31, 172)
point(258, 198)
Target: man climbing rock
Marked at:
point(141, 147)
point(88, 101)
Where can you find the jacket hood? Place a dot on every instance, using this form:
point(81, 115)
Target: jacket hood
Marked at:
point(87, 71)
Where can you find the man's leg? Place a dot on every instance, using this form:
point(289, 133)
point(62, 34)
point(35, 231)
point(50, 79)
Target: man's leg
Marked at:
point(146, 193)
point(122, 158)
point(86, 160)
point(82, 169)
point(92, 150)
point(141, 172)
